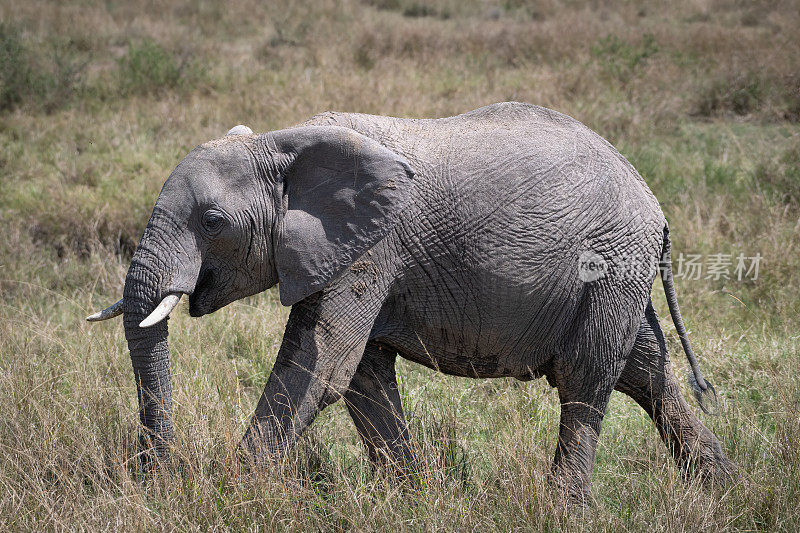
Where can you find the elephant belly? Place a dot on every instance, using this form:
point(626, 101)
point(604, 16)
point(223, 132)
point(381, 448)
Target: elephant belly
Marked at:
point(494, 357)
point(474, 337)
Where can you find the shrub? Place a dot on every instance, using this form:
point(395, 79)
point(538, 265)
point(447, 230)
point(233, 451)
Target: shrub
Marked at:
point(15, 70)
point(47, 83)
point(415, 9)
point(792, 99)
point(621, 59)
point(780, 180)
point(148, 68)
point(63, 80)
point(739, 94)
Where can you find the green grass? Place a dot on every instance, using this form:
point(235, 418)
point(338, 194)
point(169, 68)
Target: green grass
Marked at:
point(100, 101)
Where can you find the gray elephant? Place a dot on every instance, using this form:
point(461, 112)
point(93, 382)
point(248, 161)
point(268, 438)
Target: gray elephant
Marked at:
point(507, 241)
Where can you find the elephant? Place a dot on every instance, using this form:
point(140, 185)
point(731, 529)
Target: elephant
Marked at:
point(508, 241)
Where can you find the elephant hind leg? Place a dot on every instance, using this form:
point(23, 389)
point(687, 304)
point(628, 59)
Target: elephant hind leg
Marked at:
point(648, 379)
point(373, 401)
point(585, 376)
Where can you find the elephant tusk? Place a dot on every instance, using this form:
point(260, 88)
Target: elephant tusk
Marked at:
point(162, 311)
point(108, 312)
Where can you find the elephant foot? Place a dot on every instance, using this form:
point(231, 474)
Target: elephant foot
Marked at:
point(722, 474)
point(573, 490)
point(394, 464)
point(154, 451)
point(710, 464)
point(717, 472)
point(260, 444)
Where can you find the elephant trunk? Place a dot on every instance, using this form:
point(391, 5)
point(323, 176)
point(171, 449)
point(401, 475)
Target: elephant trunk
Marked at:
point(149, 353)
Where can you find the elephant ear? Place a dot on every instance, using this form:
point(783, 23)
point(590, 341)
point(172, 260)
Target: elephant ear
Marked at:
point(342, 193)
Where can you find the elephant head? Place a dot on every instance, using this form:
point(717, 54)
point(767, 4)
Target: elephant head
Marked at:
point(238, 215)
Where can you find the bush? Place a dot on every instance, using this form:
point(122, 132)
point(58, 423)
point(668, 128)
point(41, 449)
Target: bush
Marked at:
point(415, 9)
point(749, 92)
point(740, 94)
point(148, 68)
point(621, 59)
point(48, 84)
point(63, 80)
point(792, 99)
point(15, 70)
point(780, 180)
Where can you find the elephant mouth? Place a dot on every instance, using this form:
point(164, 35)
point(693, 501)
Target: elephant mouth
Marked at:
point(198, 300)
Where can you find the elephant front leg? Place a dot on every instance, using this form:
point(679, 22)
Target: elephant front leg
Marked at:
point(323, 344)
point(374, 404)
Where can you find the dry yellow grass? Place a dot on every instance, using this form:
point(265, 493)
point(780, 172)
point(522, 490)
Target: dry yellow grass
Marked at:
point(702, 96)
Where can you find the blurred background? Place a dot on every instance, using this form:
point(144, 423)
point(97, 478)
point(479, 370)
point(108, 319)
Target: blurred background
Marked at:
point(100, 100)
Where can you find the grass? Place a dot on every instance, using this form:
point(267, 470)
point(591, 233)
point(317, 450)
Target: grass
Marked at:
point(100, 101)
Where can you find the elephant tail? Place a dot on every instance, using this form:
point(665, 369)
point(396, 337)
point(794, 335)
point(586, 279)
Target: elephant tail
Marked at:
point(703, 390)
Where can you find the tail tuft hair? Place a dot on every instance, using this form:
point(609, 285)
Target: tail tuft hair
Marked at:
point(707, 399)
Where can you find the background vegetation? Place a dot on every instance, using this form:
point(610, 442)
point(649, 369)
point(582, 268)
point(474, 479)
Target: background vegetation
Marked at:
point(100, 100)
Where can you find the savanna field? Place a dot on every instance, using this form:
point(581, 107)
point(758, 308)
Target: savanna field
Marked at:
point(100, 100)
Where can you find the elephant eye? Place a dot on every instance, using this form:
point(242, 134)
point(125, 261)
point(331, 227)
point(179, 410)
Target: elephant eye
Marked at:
point(213, 221)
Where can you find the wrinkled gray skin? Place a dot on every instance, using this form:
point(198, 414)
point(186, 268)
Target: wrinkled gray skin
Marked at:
point(453, 242)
